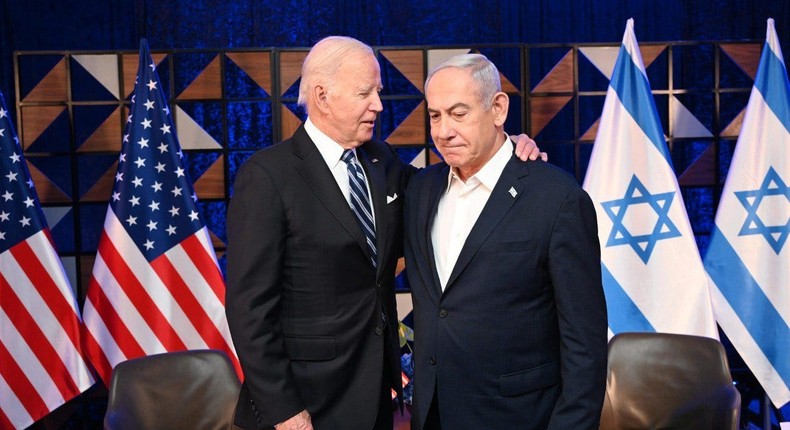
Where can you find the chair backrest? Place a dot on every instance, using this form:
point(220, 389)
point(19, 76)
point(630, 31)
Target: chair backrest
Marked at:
point(178, 390)
point(668, 381)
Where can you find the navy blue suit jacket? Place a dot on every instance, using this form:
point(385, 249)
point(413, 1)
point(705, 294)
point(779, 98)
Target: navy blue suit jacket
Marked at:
point(303, 300)
point(518, 338)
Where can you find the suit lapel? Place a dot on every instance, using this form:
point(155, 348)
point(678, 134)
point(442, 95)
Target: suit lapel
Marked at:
point(319, 179)
point(499, 203)
point(435, 193)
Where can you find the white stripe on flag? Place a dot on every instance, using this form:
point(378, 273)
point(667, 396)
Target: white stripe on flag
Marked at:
point(11, 406)
point(46, 321)
point(102, 335)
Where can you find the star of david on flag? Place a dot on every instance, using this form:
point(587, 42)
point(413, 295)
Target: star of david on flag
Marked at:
point(637, 194)
point(752, 200)
point(653, 275)
point(41, 358)
point(155, 286)
point(748, 258)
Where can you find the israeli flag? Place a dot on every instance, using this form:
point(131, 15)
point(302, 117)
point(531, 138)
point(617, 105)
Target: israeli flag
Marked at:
point(748, 258)
point(652, 271)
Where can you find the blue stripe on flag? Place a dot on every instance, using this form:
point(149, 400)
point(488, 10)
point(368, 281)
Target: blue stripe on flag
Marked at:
point(624, 315)
point(633, 90)
point(772, 83)
point(768, 329)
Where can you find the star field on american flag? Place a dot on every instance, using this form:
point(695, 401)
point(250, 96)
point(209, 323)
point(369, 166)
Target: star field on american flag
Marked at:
point(20, 213)
point(152, 195)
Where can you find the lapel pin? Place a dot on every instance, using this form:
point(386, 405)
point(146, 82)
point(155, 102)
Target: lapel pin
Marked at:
point(375, 160)
point(512, 192)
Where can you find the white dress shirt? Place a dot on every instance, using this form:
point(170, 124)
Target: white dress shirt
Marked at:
point(459, 208)
point(331, 151)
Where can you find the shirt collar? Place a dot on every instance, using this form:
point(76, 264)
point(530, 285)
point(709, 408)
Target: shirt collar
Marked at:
point(489, 174)
point(330, 150)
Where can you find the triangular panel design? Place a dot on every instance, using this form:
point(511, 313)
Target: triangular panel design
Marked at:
point(419, 160)
point(560, 77)
point(52, 88)
point(211, 184)
point(191, 135)
point(410, 64)
point(107, 136)
point(290, 69)
point(104, 68)
point(745, 55)
point(35, 120)
point(733, 129)
point(130, 64)
point(684, 123)
point(544, 109)
point(54, 214)
point(701, 172)
point(591, 132)
point(102, 189)
point(411, 130)
point(207, 85)
point(257, 65)
point(437, 56)
point(507, 86)
point(47, 191)
point(216, 241)
point(602, 57)
point(289, 121)
point(650, 53)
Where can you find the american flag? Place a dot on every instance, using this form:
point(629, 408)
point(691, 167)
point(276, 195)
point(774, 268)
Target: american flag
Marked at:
point(41, 361)
point(156, 286)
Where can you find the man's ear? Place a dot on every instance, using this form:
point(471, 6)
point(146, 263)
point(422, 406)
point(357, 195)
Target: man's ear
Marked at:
point(499, 108)
point(321, 98)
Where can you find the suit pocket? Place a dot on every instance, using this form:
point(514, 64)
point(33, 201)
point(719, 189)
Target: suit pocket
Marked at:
point(310, 348)
point(513, 384)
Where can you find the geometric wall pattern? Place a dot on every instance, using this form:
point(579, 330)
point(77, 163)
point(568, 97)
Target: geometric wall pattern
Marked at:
point(72, 106)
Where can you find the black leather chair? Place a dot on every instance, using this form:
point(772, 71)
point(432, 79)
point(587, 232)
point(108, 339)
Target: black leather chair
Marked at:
point(179, 390)
point(669, 381)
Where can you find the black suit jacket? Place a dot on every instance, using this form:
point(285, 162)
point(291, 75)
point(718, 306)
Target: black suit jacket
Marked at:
point(303, 300)
point(518, 338)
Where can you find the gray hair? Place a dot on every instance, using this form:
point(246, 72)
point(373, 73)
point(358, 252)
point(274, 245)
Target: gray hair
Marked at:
point(484, 72)
point(323, 60)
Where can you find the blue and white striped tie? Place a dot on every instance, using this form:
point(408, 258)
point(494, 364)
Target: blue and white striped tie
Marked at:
point(360, 202)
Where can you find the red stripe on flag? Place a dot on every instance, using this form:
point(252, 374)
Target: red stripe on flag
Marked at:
point(206, 264)
point(127, 280)
point(5, 423)
point(115, 326)
point(98, 359)
point(48, 290)
point(187, 301)
point(192, 309)
point(21, 385)
point(37, 340)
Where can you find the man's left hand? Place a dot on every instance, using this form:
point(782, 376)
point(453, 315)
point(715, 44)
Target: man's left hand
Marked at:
point(527, 149)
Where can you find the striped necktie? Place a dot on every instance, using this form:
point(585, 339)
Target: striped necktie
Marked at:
point(360, 202)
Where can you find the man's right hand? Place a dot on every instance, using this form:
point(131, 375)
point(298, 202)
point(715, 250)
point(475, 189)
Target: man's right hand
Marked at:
point(300, 421)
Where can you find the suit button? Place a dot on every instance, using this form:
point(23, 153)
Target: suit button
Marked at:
point(379, 331)
point(442, 313)
point(378, 285)
point(432, 360)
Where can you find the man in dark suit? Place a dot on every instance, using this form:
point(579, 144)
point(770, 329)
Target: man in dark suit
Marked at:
point(314, 234)
point(504, 265)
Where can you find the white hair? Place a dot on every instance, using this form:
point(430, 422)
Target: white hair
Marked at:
point(483, 71)
point(324, 59)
